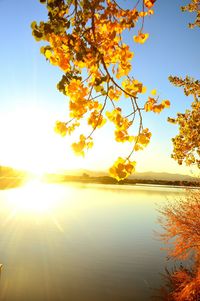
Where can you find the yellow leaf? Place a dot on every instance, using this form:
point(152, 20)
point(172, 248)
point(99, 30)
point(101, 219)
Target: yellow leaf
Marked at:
point(158, 108)
point(150, 12)
point(143, 14)
point(141, 38)
point(149, 3)
point(33, 25)
point(48, 54)
point(90, 144)
point(144, 89)
point(153, 92)
point(166, 103)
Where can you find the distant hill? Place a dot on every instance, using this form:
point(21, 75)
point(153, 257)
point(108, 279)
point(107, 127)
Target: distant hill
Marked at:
point(162, 176)
point(7, 171)
point(150, 175)
point(11, 178)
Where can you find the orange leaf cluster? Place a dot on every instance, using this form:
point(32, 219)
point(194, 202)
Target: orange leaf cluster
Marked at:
point(133, 87)
point(81, 145)
point(122, 125)
point(122, 168)
point(149, 3)
point(96, 119)
point(141, 38)
point(142, 140)
point(63, 128)
point(114, 94)
point(151, 105)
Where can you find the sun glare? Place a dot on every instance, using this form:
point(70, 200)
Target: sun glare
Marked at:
point(28, 141)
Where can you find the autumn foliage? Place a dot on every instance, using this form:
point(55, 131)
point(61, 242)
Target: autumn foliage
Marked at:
point(181, 219)
point(187, 142)
point(181, 223)
point(181, 284)
point(193, 7)
point(85, 40)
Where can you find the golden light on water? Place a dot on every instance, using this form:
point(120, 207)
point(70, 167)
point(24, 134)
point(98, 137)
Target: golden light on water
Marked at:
point(37, 202)
point(34, 197)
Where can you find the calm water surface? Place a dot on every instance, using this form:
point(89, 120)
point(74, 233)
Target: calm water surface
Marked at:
point(80, 242)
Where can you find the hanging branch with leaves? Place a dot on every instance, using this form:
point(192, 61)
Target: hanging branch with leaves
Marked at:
point(85, 40)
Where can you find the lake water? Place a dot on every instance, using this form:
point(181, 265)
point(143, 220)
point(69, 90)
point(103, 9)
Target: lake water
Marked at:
point(81, 242)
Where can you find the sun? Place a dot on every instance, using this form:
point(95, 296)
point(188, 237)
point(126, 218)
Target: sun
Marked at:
point(28, 141)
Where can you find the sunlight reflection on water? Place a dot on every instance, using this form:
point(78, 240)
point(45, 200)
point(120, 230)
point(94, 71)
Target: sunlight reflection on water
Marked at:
point(80, 242)
point(35, 197)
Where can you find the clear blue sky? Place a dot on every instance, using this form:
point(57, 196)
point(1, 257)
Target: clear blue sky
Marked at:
point(28, 85)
